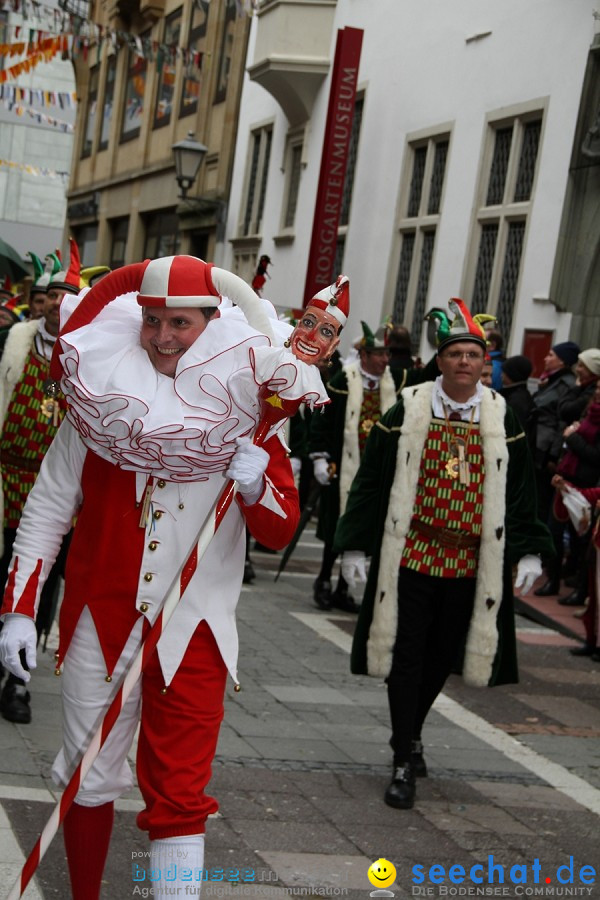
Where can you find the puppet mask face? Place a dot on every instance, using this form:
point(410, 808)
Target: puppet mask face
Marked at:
point(315, 337)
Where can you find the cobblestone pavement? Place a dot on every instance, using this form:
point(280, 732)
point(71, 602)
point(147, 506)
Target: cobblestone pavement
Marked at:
point(303, 761)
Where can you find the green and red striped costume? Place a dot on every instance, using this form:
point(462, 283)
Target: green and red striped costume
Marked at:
point(443, 502)
point(26, 435)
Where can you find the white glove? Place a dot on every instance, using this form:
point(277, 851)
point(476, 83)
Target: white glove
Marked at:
point(353, 567)
point(18, 633)
point(296, 464)
point(248, 468)
point(321, 470)
point(529, 568)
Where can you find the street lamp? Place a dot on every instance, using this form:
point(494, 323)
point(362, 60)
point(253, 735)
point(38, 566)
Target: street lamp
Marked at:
point(188, 154)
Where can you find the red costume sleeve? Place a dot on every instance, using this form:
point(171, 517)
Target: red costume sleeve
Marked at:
point(273, 519)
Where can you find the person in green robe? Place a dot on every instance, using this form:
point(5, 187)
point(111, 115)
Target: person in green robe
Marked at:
point(444, 504)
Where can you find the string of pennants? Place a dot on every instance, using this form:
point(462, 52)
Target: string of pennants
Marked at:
point(44, 51)
point(32, 9)
point(40, 117)
point(34, 170)
point(82, 34)
point(12, 93)
point(80, 45)
point(70, 46)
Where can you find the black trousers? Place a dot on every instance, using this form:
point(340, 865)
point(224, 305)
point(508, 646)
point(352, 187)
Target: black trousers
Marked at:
point(433, 619)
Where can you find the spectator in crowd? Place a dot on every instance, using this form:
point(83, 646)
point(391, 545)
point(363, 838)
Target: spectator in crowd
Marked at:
point(495, 343)
point(7, 317)
point(41, 280)
point(580, 466)
point(486, 372)
point(555, 382)
point(581, 522)
point(5, 289)
point(399, 348)
point(576, 400)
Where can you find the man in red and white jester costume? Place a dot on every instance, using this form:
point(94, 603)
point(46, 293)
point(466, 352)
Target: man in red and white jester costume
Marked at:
point(162, 393)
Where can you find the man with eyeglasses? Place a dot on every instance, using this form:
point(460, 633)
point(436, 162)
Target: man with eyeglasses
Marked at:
point(443, 503)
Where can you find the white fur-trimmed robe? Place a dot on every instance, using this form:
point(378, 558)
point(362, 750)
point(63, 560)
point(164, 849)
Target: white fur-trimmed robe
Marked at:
point(12, 365)
point(350, 451)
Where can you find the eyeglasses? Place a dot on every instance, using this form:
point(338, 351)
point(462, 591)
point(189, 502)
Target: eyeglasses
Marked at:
point(455, 355)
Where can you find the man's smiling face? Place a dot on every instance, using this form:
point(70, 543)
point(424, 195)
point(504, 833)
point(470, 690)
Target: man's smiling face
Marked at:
point(168, 332)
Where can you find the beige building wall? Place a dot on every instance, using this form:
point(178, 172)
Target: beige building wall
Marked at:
point(123, 198)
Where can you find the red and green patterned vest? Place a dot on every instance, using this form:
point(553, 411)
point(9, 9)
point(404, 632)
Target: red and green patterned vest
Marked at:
point(443, 502)
point(26, 435)
point(370, 413)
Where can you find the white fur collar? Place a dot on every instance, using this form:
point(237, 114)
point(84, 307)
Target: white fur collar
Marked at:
point(351, 452)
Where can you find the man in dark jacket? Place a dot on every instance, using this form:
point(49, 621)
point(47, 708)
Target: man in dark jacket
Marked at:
point(556, 381)
point(573, 405)
point(515, 372)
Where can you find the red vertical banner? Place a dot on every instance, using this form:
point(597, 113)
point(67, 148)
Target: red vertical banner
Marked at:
point(336, 143)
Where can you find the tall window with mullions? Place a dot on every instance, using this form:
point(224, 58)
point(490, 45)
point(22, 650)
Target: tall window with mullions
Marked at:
point(91, 113)
point(256, 181)
point(507, 189)
point(190, 87)
point(109, 97)
point(421, 201)
point(166, 66)
point(226, 51)
point(135, 90)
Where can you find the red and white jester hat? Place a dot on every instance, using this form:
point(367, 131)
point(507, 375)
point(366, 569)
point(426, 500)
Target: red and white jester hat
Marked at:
point(178, 281)
point(169, 281)
point(334, 299)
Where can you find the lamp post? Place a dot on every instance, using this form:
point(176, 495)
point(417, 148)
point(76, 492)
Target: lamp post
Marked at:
point(188, 154)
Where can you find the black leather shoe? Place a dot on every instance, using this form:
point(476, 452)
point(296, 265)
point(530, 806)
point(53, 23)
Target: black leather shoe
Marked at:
point(249, 573)
point(322, 594)
point(401, 790)
point(595, 656)
point(417, 760)
point(572, 599)
point(549, 589)
point(14, 703)
point(341, 599)
point(584, 650)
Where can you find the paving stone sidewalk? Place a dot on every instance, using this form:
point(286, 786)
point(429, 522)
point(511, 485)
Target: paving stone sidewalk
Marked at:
point(303, 761)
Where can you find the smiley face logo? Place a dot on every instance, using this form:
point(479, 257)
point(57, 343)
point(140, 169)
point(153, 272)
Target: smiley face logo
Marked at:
point(382, 873)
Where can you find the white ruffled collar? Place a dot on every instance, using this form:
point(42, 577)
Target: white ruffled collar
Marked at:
point(182, 428)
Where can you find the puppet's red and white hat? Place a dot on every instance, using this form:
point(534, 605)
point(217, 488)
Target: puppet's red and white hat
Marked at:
point(334, 299)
